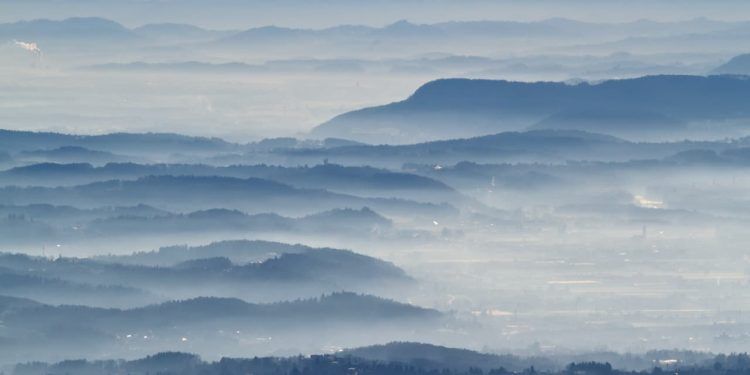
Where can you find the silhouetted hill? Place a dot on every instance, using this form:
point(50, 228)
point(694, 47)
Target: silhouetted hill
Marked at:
point(340, 221)
point(238, 251)
point(336, 306)
point(485, 107)
point(347, 219)
point(201, 320)
point(739, 65)
point(319, 269)
point(532, 145)
point(53, 174)
point(15, 303)
point(319, 263)
point(435, 357)
point(190, 193)
point(165, 362)
point(547, 146)
point(36, 225)
point(57, 291)
point(364, 180)
point(125, 143)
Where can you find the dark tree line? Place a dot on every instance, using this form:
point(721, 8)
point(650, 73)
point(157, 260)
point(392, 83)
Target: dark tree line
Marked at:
point(188, 364)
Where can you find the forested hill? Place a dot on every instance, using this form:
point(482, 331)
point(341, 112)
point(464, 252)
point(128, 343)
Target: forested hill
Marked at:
point(187, 364)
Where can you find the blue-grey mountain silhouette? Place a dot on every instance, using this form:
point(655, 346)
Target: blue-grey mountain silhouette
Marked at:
point(453, 108)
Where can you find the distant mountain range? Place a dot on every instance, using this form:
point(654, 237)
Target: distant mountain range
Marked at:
point(37, 225)
point(428, 66)
point(466, 174)
point(724, 41)
point(354, 180)
point(126, 143)
point(291, 274)
point(214, 323)
point(22, 148)
point(53, 33)
point(83, 26)
point(343, 171)
point(251, 270)
point(451, 108)
point(547, 146)
point(190, 193)
point(339, 222)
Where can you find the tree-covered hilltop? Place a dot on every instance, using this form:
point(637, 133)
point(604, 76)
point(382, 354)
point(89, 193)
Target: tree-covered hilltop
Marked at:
point(189, 364)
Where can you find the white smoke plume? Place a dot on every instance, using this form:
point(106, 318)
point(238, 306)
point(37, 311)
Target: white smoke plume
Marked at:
point(29, 46)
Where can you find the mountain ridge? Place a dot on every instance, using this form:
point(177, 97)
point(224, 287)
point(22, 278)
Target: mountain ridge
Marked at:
point(437, 108)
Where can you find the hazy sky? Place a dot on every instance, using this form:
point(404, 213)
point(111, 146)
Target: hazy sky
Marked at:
point(320, 13)
point(45, 94)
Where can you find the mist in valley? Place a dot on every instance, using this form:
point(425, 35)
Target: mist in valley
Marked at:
point(413, 187)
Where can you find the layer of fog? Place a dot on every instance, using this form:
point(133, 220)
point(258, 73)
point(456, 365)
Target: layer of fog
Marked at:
point(581, 242)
